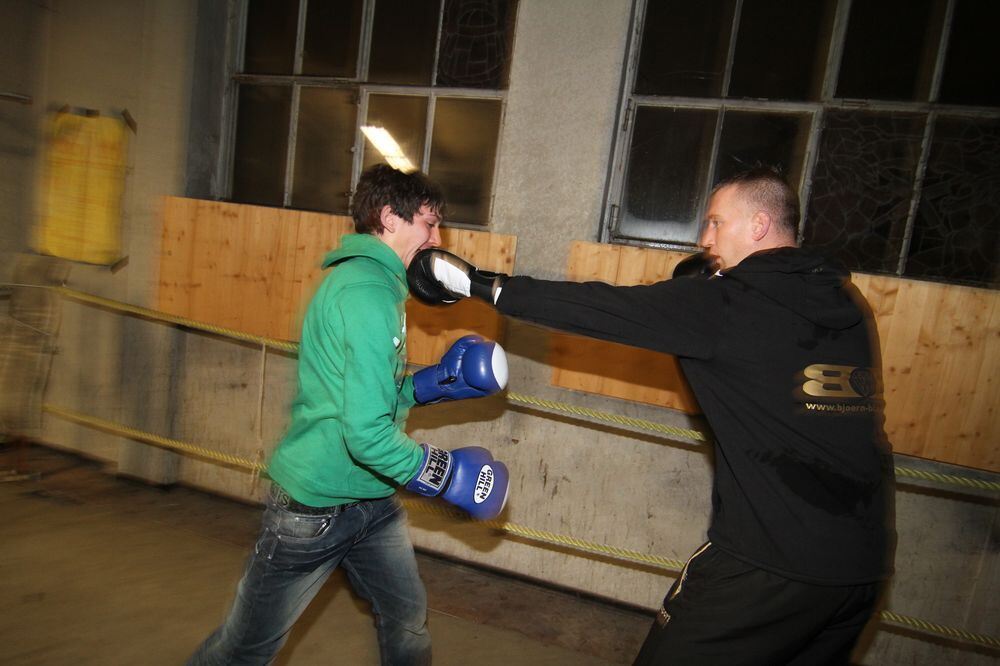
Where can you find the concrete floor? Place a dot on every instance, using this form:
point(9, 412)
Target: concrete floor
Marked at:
point(98, 569)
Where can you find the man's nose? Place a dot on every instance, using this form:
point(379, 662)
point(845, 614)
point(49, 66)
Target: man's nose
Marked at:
point(435, 239)
point(707, 238)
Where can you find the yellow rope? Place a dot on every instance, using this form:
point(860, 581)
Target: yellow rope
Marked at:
point(180, 321)
point(948, 479)
point(256, 467)
point(552, 538)
point(141, 436)
point(940, 629)
point(607, 417)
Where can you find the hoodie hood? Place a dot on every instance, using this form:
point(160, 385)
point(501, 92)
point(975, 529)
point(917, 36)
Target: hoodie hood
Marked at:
point(366, 245)
point(815, 292)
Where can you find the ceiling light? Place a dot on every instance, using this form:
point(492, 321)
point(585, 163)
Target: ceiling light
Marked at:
point(385, 144)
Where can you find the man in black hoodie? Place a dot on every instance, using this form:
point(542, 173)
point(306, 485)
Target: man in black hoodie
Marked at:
point(780, 350)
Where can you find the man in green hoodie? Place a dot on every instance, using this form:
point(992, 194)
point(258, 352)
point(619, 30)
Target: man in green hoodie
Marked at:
point(332, 501)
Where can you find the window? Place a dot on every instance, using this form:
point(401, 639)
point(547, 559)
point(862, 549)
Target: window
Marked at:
point(892, 143)
point(327, 88)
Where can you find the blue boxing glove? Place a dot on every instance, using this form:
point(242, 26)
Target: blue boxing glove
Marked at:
point(472, 368)
point(468, 477)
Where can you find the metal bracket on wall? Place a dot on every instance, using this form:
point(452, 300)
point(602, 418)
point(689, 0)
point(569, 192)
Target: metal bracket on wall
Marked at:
point(15, 97)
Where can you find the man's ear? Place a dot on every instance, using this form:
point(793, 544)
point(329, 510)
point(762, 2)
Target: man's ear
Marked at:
point(760, 224)
point(388, 219)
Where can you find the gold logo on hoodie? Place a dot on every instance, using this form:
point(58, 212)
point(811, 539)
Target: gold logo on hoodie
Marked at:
point(838, 381)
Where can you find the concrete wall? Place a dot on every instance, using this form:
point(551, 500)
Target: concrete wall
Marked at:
point(110, 56)
point(20, 68)
point(599, 484)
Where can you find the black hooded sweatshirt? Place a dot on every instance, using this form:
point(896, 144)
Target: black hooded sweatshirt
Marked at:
point(781, 354)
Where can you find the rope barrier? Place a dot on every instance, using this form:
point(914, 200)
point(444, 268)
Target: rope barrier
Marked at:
point(933, 628)
point(549, 405)
point(256, 467)
point(607, 417)
point(552, 538)
point(150, 438)
point(948, 479)
point(274, 343)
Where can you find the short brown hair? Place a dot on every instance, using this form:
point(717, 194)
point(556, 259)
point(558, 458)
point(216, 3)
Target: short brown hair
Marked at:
point(404, 193)
point(764, 186)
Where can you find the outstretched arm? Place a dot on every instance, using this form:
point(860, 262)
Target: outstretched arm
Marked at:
point(676, 316)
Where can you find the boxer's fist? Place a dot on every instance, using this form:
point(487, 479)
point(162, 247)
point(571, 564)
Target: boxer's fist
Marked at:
point(438, 277)
point(468, 477)
point(696, 266)
point(472, 368)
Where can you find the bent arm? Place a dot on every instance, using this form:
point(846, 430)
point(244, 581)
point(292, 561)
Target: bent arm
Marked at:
point(371, 396)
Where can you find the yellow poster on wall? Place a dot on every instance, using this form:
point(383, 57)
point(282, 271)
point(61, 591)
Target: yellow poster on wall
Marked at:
point(82, 185)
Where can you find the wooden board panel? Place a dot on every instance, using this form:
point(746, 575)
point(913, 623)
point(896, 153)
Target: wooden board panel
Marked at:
point(173, 293)
point(940, 347)
point(254, 269)
point(940, 352)
point(616, 370)
point(318, 234)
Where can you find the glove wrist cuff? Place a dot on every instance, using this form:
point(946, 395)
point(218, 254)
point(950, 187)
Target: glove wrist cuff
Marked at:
point(424, 383)
point(486, 284)
point(434, 471)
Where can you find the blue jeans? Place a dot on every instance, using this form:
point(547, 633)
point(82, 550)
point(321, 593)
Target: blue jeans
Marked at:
point(296, 553)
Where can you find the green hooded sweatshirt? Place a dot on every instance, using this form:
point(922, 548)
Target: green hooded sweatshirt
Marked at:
point(346, 439)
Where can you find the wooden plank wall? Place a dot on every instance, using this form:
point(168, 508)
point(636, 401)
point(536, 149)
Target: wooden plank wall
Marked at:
point(254, 269)
point(248, 268)
point(611, 369)
point(940, 357)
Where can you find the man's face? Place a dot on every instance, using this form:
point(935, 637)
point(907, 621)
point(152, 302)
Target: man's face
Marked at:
point(422, 233)
point(727, 236)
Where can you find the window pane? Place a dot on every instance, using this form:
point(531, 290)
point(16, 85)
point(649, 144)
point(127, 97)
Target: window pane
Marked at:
point(684, 47)
point(890, 49)
point(772, 139)
point(476, 37)
point(405, 118)
point(463, 152)
point(404, 35)
point(862, 187)
point(333, 30)
point(970, 69)
point(270, 38)
point(667, 168)
point(323, 149)
point(261, 144)
point(956, 234)
point(781, 49)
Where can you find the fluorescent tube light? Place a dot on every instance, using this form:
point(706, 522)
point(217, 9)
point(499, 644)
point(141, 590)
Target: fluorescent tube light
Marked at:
point(385, 144)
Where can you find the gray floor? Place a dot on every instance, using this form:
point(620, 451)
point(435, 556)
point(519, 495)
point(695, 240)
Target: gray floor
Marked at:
point(97, 569)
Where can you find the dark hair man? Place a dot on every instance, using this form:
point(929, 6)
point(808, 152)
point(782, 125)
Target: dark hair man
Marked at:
point(779, 351)
point(332, 500)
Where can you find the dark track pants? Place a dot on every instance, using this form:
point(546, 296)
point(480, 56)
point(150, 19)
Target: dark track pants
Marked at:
point(722, 611)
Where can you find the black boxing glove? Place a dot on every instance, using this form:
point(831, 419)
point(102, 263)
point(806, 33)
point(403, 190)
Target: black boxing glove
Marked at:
point(695, 266)
point(424, 285)
point(438, 277)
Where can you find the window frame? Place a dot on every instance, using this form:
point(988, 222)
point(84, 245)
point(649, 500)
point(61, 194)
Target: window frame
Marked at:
point(235, 77)
point(630, 103)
